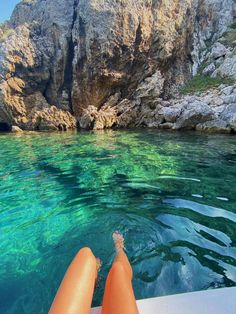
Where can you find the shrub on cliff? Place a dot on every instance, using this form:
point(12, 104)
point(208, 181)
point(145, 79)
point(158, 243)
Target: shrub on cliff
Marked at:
point(229, 37)
point(5, 31)
point(201, 83)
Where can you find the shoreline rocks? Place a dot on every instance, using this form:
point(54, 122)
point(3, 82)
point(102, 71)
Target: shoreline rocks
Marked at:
point(211, 111)
point(16, 129)
point(113, 64)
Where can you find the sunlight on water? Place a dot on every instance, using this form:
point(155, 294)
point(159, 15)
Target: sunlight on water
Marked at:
point(172, 195)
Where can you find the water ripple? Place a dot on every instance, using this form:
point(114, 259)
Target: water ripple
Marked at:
point(172, 195)
point(206, 210)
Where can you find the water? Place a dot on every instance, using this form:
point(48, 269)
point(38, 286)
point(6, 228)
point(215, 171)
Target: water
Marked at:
point(172, 195)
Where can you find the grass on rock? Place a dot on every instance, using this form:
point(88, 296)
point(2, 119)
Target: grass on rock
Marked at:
point(233, 25)
point(201, 83)
point(5, 31)
point(229, 37)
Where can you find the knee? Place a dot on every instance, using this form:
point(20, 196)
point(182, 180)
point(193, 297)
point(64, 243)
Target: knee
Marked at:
point(86, 253)
point(118, 269)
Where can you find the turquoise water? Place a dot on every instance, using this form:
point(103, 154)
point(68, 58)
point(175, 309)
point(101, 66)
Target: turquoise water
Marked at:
point(172, 195)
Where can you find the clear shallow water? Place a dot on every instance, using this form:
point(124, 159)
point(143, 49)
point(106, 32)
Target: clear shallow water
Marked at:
point(172, 195)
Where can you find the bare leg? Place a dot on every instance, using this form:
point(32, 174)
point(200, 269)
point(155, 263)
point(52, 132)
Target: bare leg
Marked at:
point(76, 290)
point(119, 296)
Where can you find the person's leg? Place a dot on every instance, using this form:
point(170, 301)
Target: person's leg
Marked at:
point(120, 254)
point(119, 296)
point(76, 290)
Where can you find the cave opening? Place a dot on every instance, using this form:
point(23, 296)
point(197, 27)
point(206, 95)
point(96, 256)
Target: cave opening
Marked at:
point(5, 127)
point(68, 73)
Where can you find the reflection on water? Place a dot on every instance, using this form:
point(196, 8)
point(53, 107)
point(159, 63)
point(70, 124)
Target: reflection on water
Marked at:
point(173, 196)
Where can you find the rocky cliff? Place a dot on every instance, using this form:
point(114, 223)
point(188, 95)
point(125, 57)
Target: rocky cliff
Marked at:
point(105, 63)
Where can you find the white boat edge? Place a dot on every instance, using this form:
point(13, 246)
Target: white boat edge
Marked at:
point(213, 301)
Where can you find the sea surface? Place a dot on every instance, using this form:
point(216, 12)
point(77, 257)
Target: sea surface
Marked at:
point(172, 196)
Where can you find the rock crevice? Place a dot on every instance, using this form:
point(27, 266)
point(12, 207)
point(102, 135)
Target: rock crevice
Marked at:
point(68, 71)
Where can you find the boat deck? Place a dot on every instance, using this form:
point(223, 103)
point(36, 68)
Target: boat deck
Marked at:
point(215, 301)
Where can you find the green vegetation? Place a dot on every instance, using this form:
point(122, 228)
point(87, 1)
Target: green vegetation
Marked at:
point(233, 25)
point(201, 83)
point(5, 31)
point(229, 37)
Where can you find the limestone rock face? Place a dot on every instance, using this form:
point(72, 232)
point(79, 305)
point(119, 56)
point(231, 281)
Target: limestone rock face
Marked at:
point(194, 113)
point(33, 64)
point(227, 68)
point(214, 17)
point(214, 126)
point(101, 64)
point(218, 50)
point(229, 114)
point(123, 46)
point(209, 69)
point(220, 61)
point(171, 114)
point(212, 111)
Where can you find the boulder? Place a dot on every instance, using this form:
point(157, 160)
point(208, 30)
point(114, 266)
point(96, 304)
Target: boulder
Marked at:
point(209, 69)
point(106, 119)
point(218, 50)
point(219, 109)
point(150, 89)
point(50, 119)
point(16, 129)
point(229, 99)
point(127, 114)
point(88, 117)
point(166, 126)
point(219, 61)
point(214, 126)
point(227, 69)
point(227, 90)
point(46, 125)
point(229, 115)
point(193, 114)
point(171, 114)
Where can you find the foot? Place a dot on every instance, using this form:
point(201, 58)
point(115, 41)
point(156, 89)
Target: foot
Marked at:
point(118, 241)
point(99, 264)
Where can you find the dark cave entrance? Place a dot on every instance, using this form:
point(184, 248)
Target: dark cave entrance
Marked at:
point(68, 72)
point(5, 127)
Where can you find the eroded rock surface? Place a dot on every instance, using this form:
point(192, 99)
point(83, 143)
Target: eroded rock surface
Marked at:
point(212, 111)
point(102, 64)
